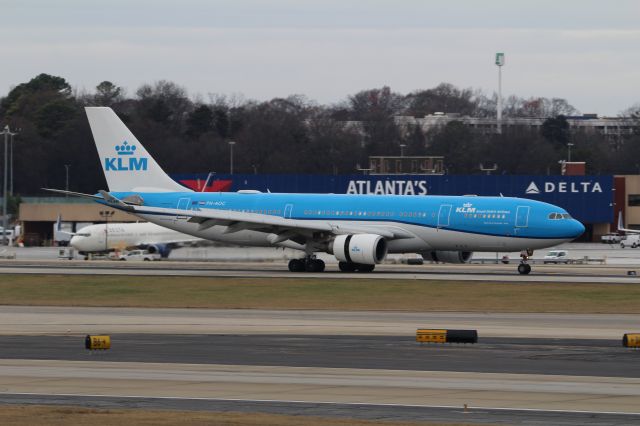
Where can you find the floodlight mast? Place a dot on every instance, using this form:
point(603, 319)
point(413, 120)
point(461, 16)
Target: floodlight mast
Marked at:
point(500, 64)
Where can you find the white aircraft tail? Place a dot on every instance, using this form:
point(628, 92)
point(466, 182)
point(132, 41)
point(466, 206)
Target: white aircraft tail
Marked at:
point(126, 163)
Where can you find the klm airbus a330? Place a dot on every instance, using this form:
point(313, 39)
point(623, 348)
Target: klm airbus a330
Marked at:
point(359, 230)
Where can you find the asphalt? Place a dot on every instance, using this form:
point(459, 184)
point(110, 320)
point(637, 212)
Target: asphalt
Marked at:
point(605, 358)
point(391, 413)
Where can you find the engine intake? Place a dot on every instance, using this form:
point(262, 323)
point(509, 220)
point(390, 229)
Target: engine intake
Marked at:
point(448, 256)
point(367, 249)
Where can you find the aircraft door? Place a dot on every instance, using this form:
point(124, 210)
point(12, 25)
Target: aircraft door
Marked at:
point(443, 215)
point(522, 216)
point(288, 209)
point(183, 204)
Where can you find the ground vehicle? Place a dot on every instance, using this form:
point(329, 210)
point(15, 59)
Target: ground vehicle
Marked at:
point(631, 240)
point(557, 256)
point(611, 238)
point(139, 255)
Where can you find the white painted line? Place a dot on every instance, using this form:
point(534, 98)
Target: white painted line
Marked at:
point(285, 401)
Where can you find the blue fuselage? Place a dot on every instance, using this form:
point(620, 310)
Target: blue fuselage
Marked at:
point(442, 222)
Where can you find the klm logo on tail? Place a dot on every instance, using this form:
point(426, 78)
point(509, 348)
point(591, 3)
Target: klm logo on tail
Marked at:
point(125, 159)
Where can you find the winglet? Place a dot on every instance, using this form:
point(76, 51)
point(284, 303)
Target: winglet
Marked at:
point(114, 201)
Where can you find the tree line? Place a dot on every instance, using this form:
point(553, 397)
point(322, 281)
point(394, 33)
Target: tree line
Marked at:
point(293, 134)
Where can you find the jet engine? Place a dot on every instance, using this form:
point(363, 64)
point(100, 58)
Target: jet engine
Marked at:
point(367, 249)
point(162, 249)
point(448, 256)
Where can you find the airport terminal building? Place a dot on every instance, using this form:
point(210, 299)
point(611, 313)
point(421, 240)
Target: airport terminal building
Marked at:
point(594, 200)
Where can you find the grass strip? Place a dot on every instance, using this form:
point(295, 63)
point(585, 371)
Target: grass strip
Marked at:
point(317, 293)
point(34, 415)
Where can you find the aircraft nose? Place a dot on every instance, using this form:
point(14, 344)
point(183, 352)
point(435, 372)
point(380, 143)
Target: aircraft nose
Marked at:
point(75, 242)
point(577, 228)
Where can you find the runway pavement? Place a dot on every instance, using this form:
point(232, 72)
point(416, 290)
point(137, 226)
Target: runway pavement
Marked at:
point(251, 359)
point(43, 320)
point(538, 368)
point(490, 355)
point(293, 385)
point(467, 272)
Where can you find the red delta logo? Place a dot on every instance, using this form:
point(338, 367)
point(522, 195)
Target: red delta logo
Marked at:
point(215, 186)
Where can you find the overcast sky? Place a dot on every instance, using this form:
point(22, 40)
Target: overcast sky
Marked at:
point(583, 50)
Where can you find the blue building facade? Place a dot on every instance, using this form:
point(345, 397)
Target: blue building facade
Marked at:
point(588, 198)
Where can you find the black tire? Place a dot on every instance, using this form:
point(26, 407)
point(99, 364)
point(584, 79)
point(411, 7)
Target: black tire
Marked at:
point(146, 259)
point(365, 268)
point(314, 265)
point(347, 266)
point(296, 265)
point(524, 268)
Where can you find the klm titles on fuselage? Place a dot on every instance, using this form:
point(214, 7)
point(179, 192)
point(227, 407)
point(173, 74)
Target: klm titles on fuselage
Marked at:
point(466, 208)
point(125, 159)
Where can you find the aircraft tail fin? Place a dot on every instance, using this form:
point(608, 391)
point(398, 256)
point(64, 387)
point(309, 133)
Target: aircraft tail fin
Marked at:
point(620, 223)
point(126, 164)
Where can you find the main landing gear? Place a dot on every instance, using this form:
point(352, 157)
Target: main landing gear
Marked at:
point(524, 268)
point(355, 267)
point(308, 264)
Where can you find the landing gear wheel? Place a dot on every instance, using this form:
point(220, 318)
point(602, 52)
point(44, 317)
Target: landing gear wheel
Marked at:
point(347, 266)
point(314, 265)
point(524, 268)
point(365, 268)
point(296, 265)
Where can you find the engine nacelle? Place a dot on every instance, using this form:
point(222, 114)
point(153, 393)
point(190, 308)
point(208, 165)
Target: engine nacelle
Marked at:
point(367, 249)
point(162, 249)
point(448, 256)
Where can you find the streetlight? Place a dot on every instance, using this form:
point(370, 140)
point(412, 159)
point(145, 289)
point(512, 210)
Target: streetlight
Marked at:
point(11, 162)
point(402, 149)
point(6, 132)
point(106, 214)
point(66, 184)
point(500, 64)
point(569, 145)
point(231, 144)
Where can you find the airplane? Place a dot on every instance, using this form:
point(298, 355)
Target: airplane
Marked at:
point(621, 227)
point(121, 236)
point(359, 230)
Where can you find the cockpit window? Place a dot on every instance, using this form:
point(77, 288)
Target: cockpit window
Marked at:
point(556, 216)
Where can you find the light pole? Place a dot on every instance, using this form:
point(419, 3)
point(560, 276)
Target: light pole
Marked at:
point(66, 180)
point(500, 64)
point(402, 146)
point(231, 144)
point(6, 132)
point(11, 162)
point(106, 214)
point(569, 145)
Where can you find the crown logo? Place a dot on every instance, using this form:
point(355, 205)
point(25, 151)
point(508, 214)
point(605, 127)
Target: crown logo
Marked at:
point(125, 149)
point(467, 205)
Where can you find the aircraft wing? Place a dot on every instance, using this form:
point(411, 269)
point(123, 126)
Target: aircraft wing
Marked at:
point(282, 228)
point(239, 221)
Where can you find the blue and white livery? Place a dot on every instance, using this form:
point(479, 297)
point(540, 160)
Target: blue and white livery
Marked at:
point(359, 230)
